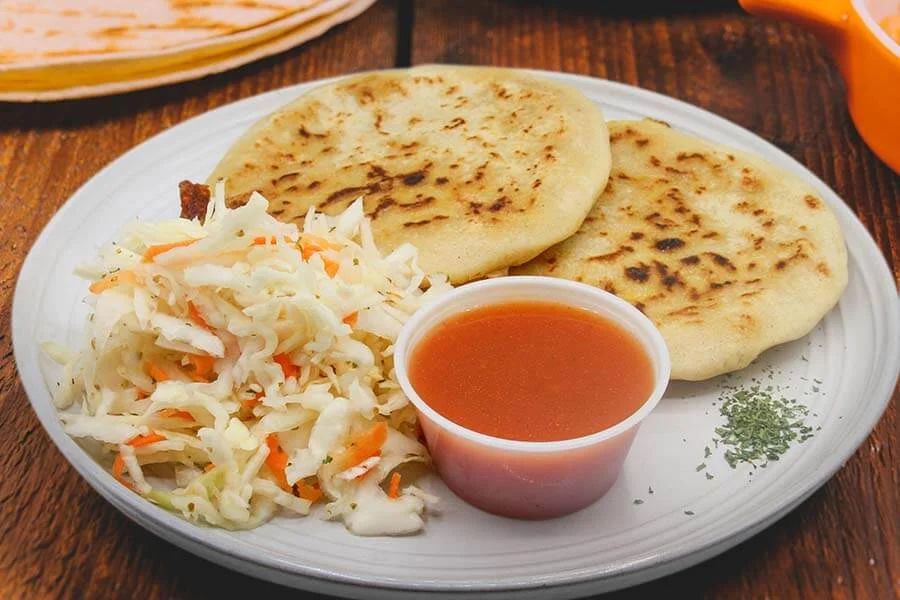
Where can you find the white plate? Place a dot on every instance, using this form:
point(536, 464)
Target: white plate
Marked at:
point(854, 352)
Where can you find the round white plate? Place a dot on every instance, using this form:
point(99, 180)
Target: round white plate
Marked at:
point(844, 371)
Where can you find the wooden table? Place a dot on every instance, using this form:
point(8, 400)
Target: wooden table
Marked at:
point(60, 539)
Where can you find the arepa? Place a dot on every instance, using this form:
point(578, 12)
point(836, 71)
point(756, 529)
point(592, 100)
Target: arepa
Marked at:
point(726, 253)
point(479, 168)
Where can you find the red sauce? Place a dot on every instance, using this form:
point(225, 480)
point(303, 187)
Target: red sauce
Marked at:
point(531, 371)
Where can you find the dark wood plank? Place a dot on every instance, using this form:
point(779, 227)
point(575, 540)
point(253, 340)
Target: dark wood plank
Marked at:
point(777, 81)
point(57, 537)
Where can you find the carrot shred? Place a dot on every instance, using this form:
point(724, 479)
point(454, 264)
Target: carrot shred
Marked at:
point(174, 413)
point(262, 241)
point(308, 492)
point(331, 266)
point(141, 394)
point(365, 445)
point(209, 468)
point(114, 279)
point(277, 460)
point(118, 470)
point(154, 251)
point(196, 317)
point(287, 367)
point(146, 440)
point(155, 371)
point(118, 467)
point(253, 402)
point(351, 319)
point(394, 488)
point(310, 244)
point(202, 367)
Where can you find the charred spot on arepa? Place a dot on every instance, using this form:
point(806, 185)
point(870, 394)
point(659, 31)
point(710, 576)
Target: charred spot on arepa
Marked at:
point(669, 244)
point(285, 179)
point(640, 273)
point(417, 203)
point(413, 178)
point(383, 204)
point(425, 221)
point(721, 261)
point(611, 256)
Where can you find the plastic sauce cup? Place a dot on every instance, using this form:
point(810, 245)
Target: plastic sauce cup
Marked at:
point(530, 479)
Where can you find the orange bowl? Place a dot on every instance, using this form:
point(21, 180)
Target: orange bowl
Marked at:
point(868, 59)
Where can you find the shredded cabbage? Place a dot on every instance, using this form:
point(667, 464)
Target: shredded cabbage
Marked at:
point(232, 366)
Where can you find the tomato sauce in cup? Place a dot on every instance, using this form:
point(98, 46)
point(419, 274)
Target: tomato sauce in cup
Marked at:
point(531, 371)
point(530, 390)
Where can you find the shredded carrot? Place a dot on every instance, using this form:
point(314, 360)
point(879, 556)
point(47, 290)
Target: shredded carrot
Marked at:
point(154, 251)
point(308, 492)
point(202, 367)
point(365, 445)
point(287, 367)
point(331, 266)
point(253, 402)
point(209, 468)
point(394, 489)
point(351, 319)
point(196, 317)
point(141, 394)
point(174, 413)
point(118, 470)
point(155, 371)
point(262, 241)
point(114, 279)
point(277, 460)
point(310, 244)
point(119, 467)
point(146, 440)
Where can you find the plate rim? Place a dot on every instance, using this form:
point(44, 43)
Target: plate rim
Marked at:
point(189, 536)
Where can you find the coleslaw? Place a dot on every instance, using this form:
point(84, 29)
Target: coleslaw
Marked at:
point(240, 366)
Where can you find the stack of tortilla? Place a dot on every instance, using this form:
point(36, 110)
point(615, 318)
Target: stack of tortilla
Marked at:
point(488, 171)
point(59, 49)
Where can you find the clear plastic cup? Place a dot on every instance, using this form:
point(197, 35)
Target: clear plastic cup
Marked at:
point(530, 479)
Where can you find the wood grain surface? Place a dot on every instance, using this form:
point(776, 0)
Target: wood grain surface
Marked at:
point(58, 539)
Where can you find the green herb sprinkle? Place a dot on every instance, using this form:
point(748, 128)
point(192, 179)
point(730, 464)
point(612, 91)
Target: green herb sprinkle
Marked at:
point(759, 427)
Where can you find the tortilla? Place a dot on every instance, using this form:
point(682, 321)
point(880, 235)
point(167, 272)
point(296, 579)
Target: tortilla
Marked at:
point(479, 168)
point(40, 32)
point(726, 253)
point(99, 74)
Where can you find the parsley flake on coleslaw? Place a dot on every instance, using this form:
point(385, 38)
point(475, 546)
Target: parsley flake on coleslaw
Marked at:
point(240, 366)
